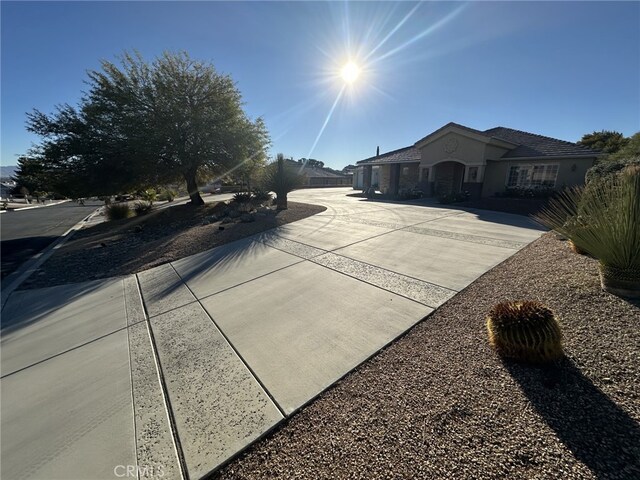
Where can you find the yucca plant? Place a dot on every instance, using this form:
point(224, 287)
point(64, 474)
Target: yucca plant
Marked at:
point(282, 179)
point(241, 197)
point(603, 219)
point(525, 331)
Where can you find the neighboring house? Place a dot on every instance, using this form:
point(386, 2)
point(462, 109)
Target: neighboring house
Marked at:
point(321, 176)
point(456, 159)
point(6, 188)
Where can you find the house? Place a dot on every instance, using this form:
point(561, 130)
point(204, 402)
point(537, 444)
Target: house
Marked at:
point(6, 188)
point(316, 176)
point(456, 159)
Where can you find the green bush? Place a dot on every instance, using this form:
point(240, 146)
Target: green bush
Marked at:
point(167, 195)
point(449, 198)
point(142, 208)
point(607, 168)
point(521, 192)
point(525, 331)
point(602, 219)
point(149, 195)
point(117, 211)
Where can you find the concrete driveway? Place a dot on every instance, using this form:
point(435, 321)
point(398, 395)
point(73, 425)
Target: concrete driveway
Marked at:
point(171, 372)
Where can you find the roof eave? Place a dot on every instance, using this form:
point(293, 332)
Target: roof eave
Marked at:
point(553, 157)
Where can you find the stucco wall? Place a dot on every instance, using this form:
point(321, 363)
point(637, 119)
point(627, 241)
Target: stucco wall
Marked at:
point(495, 179)
point(453, 147)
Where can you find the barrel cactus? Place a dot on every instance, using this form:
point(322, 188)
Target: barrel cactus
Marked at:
point(526, 331)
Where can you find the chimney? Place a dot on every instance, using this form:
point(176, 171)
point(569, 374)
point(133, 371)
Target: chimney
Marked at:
point(378, 151)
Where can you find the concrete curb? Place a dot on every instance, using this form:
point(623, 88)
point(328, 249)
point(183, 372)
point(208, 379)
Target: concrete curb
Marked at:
point(15, 279)
point(34, 206)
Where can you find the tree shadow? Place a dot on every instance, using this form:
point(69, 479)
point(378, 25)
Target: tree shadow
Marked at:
point(597, 431)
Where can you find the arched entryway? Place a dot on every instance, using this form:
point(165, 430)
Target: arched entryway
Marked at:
point(448, 178)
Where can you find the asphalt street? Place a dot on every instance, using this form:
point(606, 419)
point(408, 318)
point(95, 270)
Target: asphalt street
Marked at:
point(24, 233)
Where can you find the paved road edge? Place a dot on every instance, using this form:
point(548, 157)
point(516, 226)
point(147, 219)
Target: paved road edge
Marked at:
point(15, 279)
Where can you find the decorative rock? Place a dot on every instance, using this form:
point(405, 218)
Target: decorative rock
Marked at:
point(227, 220)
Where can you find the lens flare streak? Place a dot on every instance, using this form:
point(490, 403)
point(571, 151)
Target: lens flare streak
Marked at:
point(326, 120)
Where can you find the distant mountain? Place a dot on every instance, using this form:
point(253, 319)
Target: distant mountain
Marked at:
point(8, 171)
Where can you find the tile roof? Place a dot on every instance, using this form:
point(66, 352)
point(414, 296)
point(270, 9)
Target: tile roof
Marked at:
point(533, 145)
point(402, 155)
point(452, 124)
point(528, 145)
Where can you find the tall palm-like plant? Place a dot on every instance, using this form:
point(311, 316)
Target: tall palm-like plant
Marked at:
point(603, 219)
point(282, 179)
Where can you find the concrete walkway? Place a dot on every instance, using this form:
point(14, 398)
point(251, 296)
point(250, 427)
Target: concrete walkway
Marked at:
point(171, 372)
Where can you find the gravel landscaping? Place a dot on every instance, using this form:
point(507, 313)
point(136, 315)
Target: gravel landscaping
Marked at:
point(438, 403)
point(123, 247)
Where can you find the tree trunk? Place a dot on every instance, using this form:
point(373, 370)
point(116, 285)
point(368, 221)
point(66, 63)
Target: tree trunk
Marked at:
point(192, 189)
point(281, 202)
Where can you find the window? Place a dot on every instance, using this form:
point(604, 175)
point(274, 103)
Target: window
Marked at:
point(425, 174)
point(473, 174)
point(532, 176)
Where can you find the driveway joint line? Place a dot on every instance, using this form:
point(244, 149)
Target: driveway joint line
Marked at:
point(386, 233)
point(235, 350)
point(374, 285)
point(69, 350)
point(299, 243)
point(133, 401)
point(522, 244)
point(182, 463)
point(233, 286)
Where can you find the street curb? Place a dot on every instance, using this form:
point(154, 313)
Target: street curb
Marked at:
point(34, 206)
point(15, 279)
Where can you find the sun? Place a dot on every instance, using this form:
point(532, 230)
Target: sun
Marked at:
point(350, 72)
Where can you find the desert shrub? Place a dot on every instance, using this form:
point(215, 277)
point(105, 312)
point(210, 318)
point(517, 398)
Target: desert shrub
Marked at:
point(281, 179)
point(522, 192)
point(149, 195)
point(525, 331)
point(241, 197)
point(409, 194)
point(602, 219)
point(608, 168)
point(448, 198)
point(142, 208)
point(261, 196)
point(167, 195)
point(117, 211)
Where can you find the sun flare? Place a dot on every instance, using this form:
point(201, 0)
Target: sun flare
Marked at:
point(350, 72)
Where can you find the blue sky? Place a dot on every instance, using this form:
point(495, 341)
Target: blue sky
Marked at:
point(553, 68)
